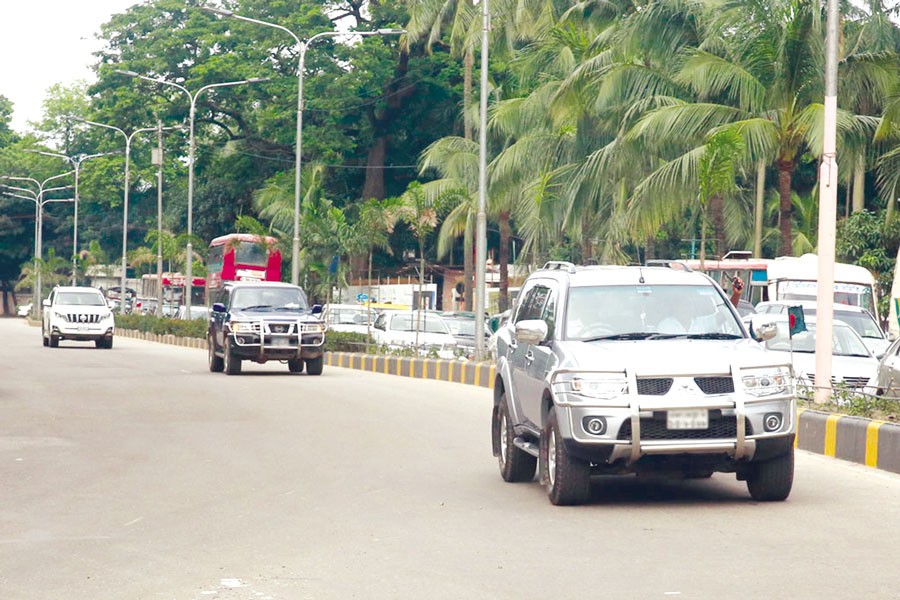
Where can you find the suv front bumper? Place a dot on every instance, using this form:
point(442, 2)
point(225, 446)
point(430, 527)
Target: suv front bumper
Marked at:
point(262, 340)
point(631, 426)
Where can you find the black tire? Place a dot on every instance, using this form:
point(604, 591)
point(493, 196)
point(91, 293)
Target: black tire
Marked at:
point(44, 340)
point(232, 363)
point(100, 343)
point(109, 343)
point(54, 341)
point(515, 464)
point(216, 363)
point(314, 366)
point(568, 479)
point(772, 480)
point(295, 365)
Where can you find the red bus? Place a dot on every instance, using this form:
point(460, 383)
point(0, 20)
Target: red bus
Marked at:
point(242, 257)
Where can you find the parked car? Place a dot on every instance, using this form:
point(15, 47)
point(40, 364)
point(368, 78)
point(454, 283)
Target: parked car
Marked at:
point(887, 378)
point(853, 366)
point(856, 317)
point(24, 309)
point(197, 312)
point(610, 370)
point(462, 328)
point(354, 318)
point(264, 321)
point(79, 314)
point(424, 332)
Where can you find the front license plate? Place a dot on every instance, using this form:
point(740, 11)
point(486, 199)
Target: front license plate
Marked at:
point(687, 419)
point(280, 341)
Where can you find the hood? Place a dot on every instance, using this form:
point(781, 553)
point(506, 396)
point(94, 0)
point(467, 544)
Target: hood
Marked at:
point(272, 315)
point(649, 358)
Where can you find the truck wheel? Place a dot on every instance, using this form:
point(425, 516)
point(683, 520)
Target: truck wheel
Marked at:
point(54, 341)
point(44, 340)
point(568, 478)
point(216, 363)
point(295, 365)
point(314, 365)
point(771, 480)
point(515, 463)
point(232, 363)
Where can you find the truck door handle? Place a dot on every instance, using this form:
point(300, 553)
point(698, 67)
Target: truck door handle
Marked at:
point(529, 356)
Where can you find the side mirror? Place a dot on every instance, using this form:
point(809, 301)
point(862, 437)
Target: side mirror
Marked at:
point(531, 331)
point(766, 331)
point(46, 303)
point(218, 307)
point(316, 309)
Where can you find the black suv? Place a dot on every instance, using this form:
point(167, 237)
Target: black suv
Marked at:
point(263, 321)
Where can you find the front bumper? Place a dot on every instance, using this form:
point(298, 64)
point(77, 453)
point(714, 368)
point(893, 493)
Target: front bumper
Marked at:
point(82, 331)
point(634, 426)
point(284, 340)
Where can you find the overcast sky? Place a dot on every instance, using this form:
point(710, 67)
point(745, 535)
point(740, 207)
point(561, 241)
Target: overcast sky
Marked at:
point(43, 42)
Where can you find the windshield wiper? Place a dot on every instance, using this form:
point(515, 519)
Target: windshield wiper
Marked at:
point(635, 335)
point(713, 336)
point(256, 307)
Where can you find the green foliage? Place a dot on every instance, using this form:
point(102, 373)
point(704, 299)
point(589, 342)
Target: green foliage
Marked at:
point(162, 325)
point(863, 239)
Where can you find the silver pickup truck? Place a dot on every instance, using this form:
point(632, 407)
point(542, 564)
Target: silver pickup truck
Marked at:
point(610, 370)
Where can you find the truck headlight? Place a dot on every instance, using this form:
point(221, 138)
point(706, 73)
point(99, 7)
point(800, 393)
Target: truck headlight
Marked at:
point(767, 382)
point(603, 386)
point(241, 327)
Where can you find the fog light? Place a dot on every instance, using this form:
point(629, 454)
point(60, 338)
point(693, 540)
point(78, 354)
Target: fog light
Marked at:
point(772, 421)
point(594, 425)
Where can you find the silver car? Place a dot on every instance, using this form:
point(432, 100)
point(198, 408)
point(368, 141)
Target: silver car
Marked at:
point(608, 370)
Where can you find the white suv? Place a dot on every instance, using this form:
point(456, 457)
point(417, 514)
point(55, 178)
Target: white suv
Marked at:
point(79, 314)
point(609, 370)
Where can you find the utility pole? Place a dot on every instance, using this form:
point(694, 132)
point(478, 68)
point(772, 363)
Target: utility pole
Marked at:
point(157, 160)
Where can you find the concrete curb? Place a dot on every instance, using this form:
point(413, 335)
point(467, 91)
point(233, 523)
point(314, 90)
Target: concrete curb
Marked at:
point(856, 439)
point(865, 441)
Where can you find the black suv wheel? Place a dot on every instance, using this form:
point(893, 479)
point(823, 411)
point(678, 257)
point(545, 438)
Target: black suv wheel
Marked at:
point(515, 464)
point(216, 363)
point(568, 478)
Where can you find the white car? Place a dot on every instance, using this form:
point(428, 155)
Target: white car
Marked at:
point(856, 317)
point(853, 365)
point(424, 332)
point(79, 314)
point(24, 310)
point(354, 318)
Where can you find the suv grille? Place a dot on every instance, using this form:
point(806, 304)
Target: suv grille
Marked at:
point(82, 318)
point(654, 428)
point(654, 387)
point(715, 385)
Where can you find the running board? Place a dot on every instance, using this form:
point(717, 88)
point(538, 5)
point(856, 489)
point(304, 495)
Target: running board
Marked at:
point(527, 446)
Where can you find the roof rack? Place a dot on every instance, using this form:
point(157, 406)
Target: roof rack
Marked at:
point(559, 265)
point(677, 265)
point(738, 255)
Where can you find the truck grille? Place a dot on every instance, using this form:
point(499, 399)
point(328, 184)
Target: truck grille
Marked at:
point(654, 428)
point(715, 385)
point(660, 386)
point(82, 318)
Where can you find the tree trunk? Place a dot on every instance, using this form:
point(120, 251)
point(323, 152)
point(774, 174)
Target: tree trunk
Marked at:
point(381, 124)
point(503, 259)
point(859, 184)
point(760, 208)
point(785, 207)
point(717, 215)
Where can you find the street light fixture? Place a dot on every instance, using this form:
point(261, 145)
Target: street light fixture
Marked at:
point(75, 161)
point(38, 199)
point(295, 242)
point(189, 279)
point(128, 137)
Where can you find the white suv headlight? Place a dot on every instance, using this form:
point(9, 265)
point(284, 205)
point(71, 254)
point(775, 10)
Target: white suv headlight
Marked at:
point(603, 386)
point(767, 382)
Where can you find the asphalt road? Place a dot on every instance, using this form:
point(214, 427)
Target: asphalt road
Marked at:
point(135, 473)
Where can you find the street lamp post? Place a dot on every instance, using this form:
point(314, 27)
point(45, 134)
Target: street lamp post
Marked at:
point(75, 161)
point(481, 214)
point(189, 279)
point(128, 137)
point(39, 201)
point(298, 159)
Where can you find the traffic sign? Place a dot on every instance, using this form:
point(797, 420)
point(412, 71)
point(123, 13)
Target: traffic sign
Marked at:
point(362, 297)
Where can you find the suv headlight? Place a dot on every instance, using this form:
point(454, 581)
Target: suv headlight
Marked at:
point(241, 326)
point(767, 382)
point(603, 386)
